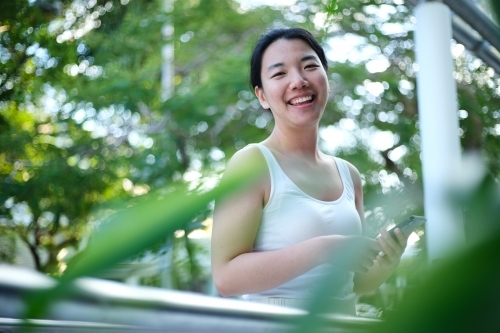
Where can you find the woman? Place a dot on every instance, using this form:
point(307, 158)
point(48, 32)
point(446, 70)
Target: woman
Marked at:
point(304, 220)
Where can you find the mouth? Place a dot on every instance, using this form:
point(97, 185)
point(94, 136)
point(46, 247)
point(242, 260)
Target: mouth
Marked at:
point(301, 100)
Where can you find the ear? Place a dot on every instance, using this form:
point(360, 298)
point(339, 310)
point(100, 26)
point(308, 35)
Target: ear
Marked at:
point(262, 98)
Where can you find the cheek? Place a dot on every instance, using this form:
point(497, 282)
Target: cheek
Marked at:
point(274, 90)
point(268, 95)
point(324, 82)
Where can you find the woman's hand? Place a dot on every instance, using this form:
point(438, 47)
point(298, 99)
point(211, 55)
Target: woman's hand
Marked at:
point(354, 253)
point(392, 250)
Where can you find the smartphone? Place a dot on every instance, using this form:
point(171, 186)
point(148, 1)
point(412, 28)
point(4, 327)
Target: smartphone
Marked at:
point(408, 225)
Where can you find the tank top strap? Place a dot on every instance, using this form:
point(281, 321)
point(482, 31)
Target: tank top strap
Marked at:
point(275, 172)
point(268, 155)
point(265, 151)
point(345, 175)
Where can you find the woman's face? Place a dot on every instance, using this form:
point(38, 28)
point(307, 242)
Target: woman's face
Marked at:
point(294, 83)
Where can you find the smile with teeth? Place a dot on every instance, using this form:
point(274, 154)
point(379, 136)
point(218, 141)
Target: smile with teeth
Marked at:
point(301, 100)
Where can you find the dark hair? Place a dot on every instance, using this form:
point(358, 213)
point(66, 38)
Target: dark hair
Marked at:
point(273, 35)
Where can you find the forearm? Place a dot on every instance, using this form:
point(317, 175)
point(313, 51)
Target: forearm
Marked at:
point(371, 280)
point(259, 271)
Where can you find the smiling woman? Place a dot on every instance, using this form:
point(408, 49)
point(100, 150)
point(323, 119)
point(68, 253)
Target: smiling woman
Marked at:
point(302, 222)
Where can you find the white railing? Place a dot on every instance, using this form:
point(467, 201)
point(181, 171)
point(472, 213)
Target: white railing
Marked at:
point(96, 305)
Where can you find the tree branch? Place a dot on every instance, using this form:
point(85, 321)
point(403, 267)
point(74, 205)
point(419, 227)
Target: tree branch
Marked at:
point(54, 8)
point(181, 144)
point(391, 166)
point(34, 252)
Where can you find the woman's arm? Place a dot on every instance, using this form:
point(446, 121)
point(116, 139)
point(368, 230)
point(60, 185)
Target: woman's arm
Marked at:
point(385, 265)
point(237, 270)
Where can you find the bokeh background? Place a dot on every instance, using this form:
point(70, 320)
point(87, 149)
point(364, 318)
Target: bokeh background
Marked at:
point(106, 102)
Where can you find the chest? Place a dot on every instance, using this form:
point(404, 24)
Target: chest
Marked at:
point(290, 218)
point(320, 181)
point(307, 201)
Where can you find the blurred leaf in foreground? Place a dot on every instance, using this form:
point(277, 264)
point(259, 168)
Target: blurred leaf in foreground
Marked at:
point(495, 6)
point(461, 294)
point(138, 227)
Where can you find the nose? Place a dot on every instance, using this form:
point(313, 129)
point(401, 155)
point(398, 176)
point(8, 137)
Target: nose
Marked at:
point(298, 81)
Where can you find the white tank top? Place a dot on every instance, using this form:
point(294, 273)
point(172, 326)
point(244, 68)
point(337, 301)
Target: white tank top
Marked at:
point(291, 216)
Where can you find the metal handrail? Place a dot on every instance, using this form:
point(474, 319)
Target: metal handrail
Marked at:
point(479, 35)
point(100, 303)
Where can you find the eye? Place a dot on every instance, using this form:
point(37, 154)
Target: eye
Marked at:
point(312, 66)
point(277, 74)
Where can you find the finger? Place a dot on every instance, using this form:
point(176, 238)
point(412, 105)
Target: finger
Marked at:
point(367, 262)
point(384, 260)
point(390, 246)
point(372, 252)
point(402, 239)
point(387, 249)
point(373, 248)
point(360, 269)
point(386, 236)
point(368, 248)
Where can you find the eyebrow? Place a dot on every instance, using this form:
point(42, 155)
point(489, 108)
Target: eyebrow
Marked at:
point(281, 64)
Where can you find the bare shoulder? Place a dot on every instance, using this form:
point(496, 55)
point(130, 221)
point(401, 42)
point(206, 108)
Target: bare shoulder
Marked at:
point(249, 152)
point(244, 157)
point(250, 158)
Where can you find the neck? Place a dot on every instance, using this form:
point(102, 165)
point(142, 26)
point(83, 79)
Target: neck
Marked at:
point(295, 141)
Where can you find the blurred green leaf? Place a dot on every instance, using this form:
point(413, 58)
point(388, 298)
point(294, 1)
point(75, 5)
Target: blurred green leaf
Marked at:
point(134, 229)
point(495, 6)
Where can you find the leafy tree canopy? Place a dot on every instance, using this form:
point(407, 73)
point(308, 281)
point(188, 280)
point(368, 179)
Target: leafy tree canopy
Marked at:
point(83, 119)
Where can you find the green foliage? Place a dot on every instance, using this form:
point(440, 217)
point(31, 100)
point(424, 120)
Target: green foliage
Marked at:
point(48, 163)
point(82, 120)
point(38, 170)
point(187, 271)
point(141, 223)
point(465, 284)
point(83, 125)
point(495, 6)
point(71, 102)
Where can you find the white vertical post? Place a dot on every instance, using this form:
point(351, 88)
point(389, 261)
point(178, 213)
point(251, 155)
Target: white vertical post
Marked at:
point(167, 69)
point(438, 118)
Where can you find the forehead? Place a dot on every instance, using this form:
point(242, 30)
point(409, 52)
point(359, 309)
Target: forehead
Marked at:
point(284, 51)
